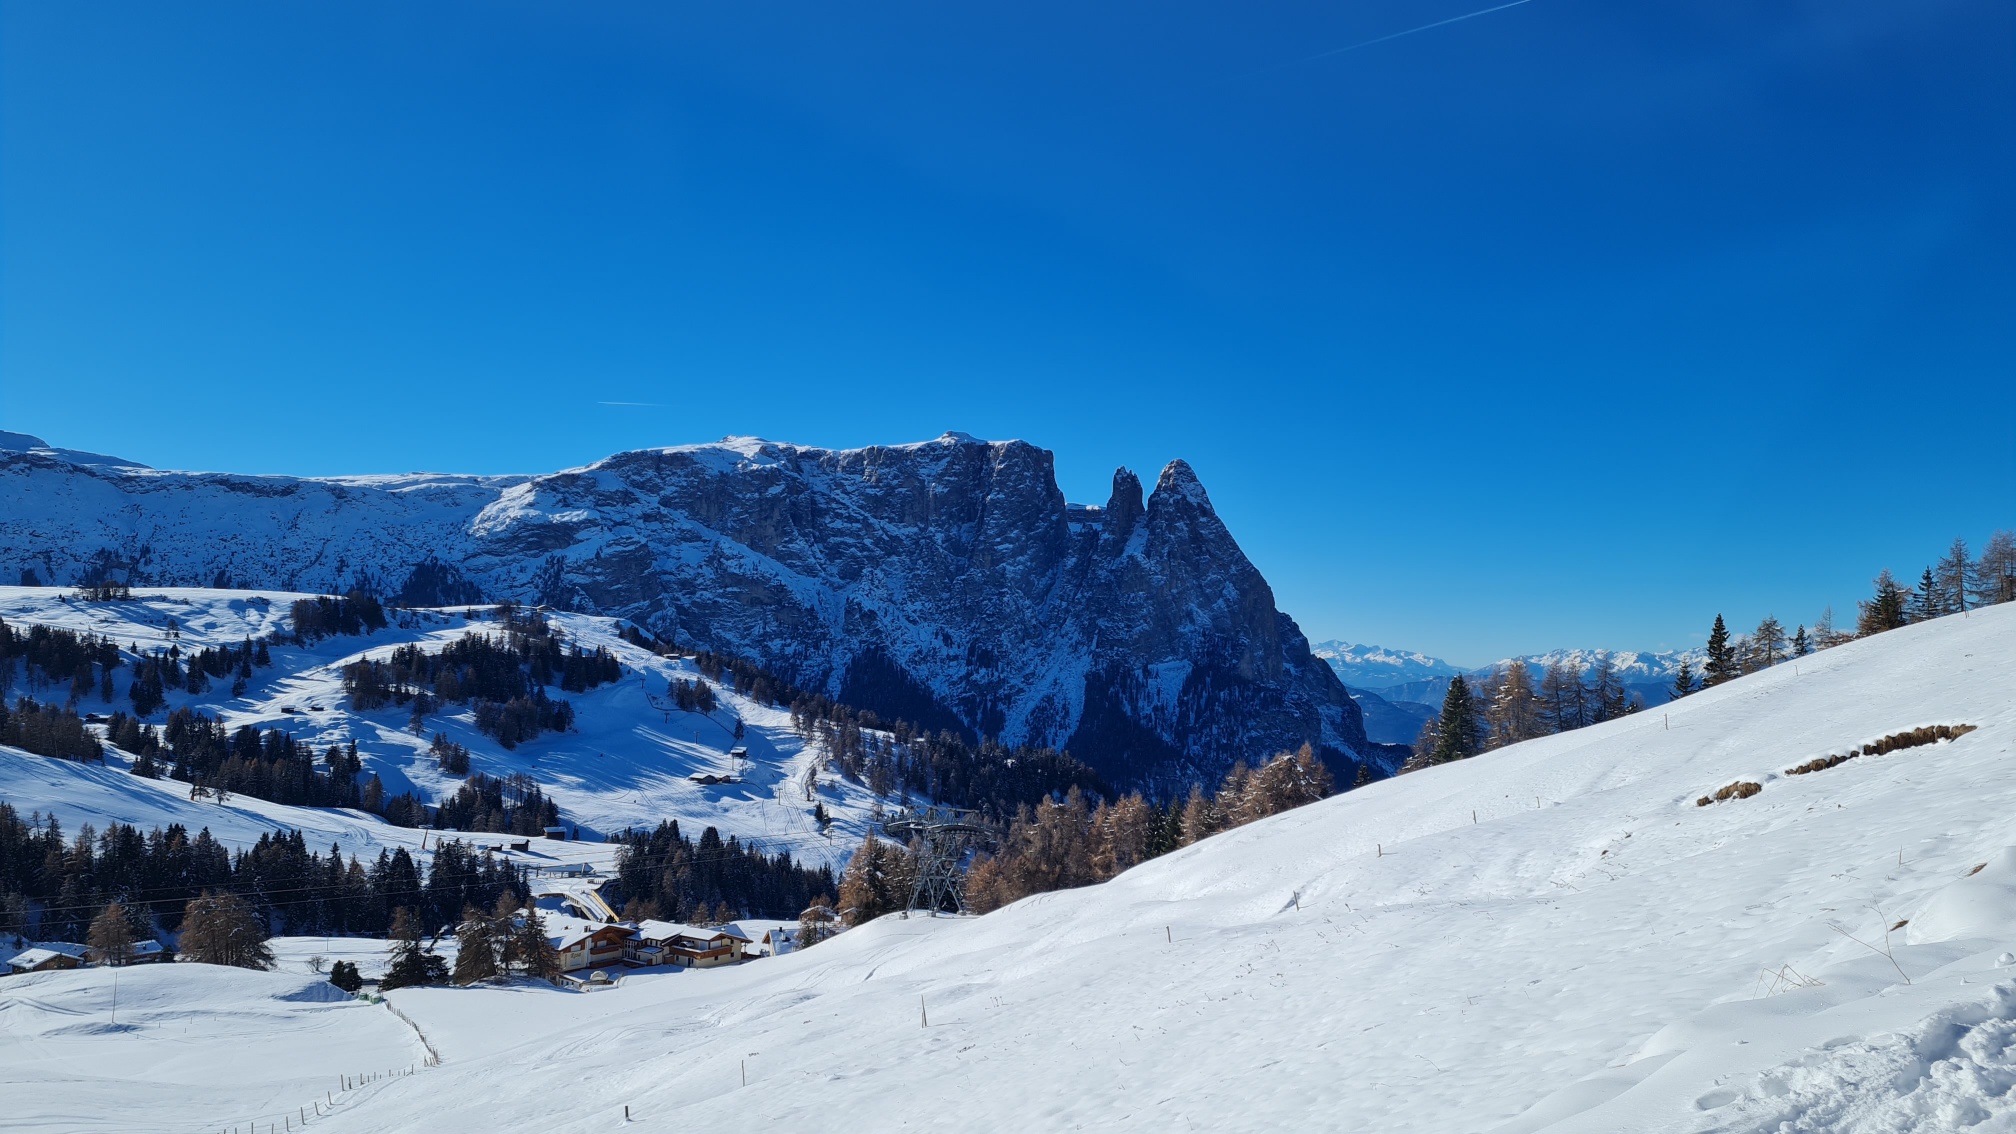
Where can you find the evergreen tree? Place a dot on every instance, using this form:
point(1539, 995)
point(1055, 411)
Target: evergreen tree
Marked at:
point(534, 950)
point(1683, 681)
point(410, 964)
point(111, 938)
point(1925, 603)
point(1721, 663)
point(345, 976)
point(476, 947)
point(1457, 725)
point(1886, 610)
point(1801, 644)
point(221, 929)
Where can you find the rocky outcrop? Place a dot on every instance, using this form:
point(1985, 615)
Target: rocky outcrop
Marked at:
point(946, 582)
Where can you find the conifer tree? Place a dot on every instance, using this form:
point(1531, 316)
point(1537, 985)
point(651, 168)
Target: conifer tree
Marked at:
point(1886, 610)
point(535, 950)
point(475, 947)
point(1958, 579)
point(1457, 725)
point(1721, 663)
point(1767, 643)
point(1514, 714)
point(1801, 644)
point(1683, 681)
point(111, 938)
point(410, 964)
point(221, 929)
point(1995, 570)
point(1925, 602)
point(344, 975)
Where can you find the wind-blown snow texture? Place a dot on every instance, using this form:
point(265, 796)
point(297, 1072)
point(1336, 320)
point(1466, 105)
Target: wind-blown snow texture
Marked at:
point(1550, 937)
point(946, 582)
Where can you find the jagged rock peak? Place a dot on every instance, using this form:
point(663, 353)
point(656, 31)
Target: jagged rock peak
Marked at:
point(1123, 507)
point(1179, 482)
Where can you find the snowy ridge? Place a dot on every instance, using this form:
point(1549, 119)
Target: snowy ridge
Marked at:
point(945, 582)
point(1550, 937)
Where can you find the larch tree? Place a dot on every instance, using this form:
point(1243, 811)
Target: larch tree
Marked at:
point(1514, 713)
point(1995, 570)
point(111, 938)
point(221, 929)
point(1958, 579)
point(1767, 643)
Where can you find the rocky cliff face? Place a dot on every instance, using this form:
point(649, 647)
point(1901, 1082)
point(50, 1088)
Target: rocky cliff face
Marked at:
point(946, 582)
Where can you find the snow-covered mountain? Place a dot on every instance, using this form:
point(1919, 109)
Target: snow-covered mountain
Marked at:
point(1404, 678)
point(946, 582)
point(1551, 937)
point(1376, 667)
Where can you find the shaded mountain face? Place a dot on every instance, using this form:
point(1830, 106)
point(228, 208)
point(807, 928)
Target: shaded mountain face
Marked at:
point(947, 583)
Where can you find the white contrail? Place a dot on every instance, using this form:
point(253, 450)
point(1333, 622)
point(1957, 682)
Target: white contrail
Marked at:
point(1411, 31)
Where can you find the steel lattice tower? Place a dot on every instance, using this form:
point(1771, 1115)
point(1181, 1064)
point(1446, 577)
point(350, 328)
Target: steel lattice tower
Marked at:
point(942, 836)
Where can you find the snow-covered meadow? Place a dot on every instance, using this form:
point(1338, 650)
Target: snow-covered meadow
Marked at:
point(1554, 936)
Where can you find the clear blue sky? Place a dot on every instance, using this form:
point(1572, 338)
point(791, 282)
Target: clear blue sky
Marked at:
point(1569, 324)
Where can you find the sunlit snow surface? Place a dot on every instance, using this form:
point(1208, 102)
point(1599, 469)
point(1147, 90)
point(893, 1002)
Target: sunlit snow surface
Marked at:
point(1592, 952)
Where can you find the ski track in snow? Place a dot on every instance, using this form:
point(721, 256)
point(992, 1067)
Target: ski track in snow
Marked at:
point(1592, 952)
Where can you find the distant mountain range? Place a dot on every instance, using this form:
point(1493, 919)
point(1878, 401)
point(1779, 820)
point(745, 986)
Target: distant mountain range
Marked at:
point(1397, 690)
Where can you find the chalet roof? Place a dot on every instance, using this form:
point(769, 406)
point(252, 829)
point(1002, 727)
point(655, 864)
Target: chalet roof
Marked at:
point(46, 951)
point(567, 932)
point(654, 930)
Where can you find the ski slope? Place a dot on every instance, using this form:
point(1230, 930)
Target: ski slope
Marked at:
point(626, 763)
point(1551, 937)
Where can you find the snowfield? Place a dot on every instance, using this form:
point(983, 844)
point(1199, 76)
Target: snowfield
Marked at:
point(1552, 937)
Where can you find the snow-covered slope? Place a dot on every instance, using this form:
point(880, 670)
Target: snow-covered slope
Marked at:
point(1553, 936)
point(947, 583)
point(625, 764)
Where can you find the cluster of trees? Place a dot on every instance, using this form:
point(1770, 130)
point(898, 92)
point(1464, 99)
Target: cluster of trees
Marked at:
point(489, 944)
point(64, 884)
point(1509, 706)
point(54, 658)
point(48, 730)
point(449, 756)
point(505, 675)
point(270, 765)
point(663, 874)
point(512, 805)
point(692, 696)
point(988, 777)
point(1955, 584)
point(1074, 839)
point(157, 672)
point(326, 616)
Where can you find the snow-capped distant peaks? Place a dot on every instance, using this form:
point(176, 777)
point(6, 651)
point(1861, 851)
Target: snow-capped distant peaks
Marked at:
point(1377, 667)
point(29, 443)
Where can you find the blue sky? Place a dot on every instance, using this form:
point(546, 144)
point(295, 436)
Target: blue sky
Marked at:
point(1569, 324)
